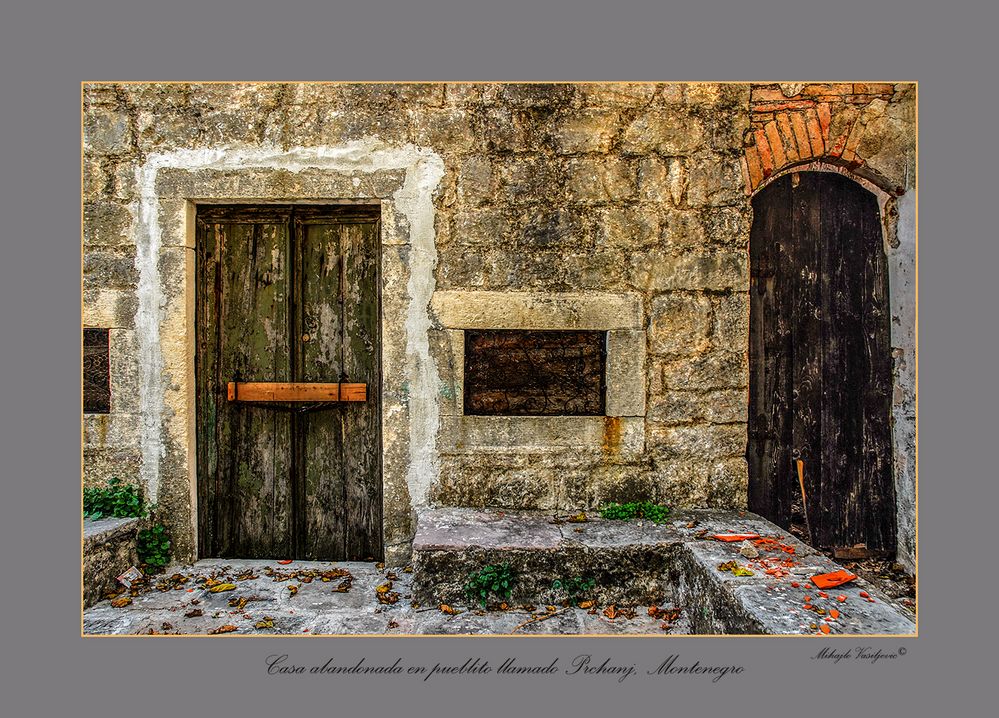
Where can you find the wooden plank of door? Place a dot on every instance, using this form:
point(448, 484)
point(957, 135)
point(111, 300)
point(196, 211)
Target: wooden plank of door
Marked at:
point(295, 391)
point(769, 445)
point(875, 321)
point(248, 496)
point(322, 511)
point(807, 331)
point(362, 363)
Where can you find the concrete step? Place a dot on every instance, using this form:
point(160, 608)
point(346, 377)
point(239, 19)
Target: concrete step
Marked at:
point(642, 563)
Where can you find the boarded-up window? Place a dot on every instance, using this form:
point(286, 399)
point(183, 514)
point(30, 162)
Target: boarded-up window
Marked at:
point(96, 372)
point(534, 373)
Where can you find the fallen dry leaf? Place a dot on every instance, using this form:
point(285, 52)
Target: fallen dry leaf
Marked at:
point(219, 588)
point(611, 612)
point(447, 609)
point(121, 602)
point(384, 588)
point(586, 604)
point(227, 628)
point(292, 589)
point(194, 613)
point(265, 622)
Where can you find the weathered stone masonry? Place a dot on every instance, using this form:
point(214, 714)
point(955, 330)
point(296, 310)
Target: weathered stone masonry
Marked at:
point(615, 207)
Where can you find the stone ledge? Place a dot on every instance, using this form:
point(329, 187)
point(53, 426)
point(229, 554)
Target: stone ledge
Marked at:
point(108, 550)
point(536, 310)
point(641, 562)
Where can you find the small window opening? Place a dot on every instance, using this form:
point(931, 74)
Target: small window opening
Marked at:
point(534, 373)
point(96, 372)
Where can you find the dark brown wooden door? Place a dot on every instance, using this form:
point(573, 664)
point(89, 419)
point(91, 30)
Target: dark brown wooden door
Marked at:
point(820, 362)
point(288, 294)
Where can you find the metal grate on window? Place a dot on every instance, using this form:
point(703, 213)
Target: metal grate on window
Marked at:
point(534, 373)
point(96, 372)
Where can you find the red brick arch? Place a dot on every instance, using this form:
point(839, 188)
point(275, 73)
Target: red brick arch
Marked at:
point(797, 123)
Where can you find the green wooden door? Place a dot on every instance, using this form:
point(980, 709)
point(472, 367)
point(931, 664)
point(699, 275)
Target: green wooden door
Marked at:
point(288, 294)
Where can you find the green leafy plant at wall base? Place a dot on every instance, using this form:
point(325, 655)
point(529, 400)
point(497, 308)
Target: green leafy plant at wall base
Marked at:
point(117, 499)
point(656, 513)
point(154, 548)
point(492, 580)
point(575, 587)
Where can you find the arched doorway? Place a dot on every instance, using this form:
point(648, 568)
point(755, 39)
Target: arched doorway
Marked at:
point(820, 362)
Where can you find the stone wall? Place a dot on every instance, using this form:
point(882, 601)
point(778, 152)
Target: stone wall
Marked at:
point(635, 194)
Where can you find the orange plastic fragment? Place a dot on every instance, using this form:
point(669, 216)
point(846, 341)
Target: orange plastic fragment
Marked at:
point(864, 594)
point(824, 628)
point(823, 594)
point(795, 584)
point(841, 598)
point(831, 580)
point(834, 613)
point(285, 562)
point(736, 537)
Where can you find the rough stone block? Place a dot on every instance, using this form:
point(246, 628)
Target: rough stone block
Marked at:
point(662, 180)
point(124, 363)
point(606, 179)
point(730, 326)
point(108, 307)
point(476, 179)
point(659, 270)
point(106, 131)
point(587, 131)
point(530, 178)
point(485, 226)
point(671, 132)
point(617, 94)
point(447, 349)
point(562, 229)
point(446, 131)
point(728, 226)
point(716, 370)
point(112, 431)
point(106, 224)
point(625, 373)
point(629, 228)
point(679, 324)
point(697, 441)
point(715, 181)
point(112, 267)
point(716, 406)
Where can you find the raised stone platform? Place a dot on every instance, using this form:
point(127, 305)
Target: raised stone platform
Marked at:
point(108, 550)
point(638, 562)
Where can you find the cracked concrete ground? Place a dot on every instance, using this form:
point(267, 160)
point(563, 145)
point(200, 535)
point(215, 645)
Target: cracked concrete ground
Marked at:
point(189, 606)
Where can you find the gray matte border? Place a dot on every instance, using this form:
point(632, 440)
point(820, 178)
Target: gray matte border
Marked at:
point(49, 670)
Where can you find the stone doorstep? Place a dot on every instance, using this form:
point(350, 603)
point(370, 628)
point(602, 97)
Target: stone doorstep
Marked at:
point(644, 563)
point(108, 551)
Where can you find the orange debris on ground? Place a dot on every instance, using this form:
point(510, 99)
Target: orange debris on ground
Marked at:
point(736, 537)
point(831, 580)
